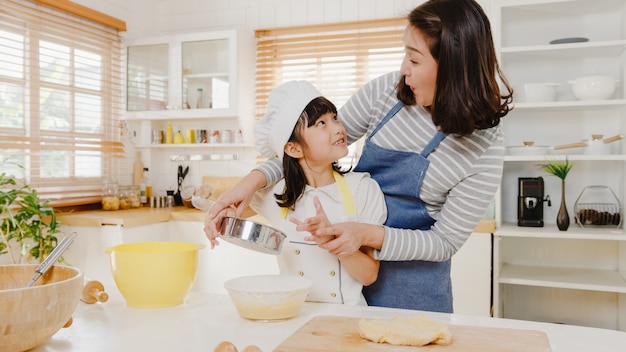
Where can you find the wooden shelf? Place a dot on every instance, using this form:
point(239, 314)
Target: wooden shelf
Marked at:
point(571, 278)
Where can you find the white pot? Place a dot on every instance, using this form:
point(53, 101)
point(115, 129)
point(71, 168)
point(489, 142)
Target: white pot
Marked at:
point(536, 92)
point(599, 146)
point(593, 87)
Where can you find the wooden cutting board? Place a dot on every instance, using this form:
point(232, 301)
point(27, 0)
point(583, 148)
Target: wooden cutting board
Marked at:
point(334, 333)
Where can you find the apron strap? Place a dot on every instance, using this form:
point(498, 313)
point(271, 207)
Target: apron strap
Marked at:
point(394, 110)
point(434, 142)
point(344, 192)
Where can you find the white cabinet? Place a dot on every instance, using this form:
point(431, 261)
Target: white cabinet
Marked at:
point(188, 81)
point(166, 76)
point(471, 276)
point(576, 276)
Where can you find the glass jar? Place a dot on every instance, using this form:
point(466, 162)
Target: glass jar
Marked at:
point(123, 196)
point(110, 195)
point(133, 197)
point(598, 206)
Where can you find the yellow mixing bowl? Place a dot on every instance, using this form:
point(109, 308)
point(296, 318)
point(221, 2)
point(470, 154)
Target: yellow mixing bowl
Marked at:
point(154, 274)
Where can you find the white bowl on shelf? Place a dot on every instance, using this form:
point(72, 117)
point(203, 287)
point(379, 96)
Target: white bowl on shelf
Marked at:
point(536, 92)
point(593, 87)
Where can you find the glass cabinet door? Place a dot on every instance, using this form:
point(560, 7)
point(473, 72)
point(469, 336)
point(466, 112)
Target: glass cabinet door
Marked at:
point(147, 77)
point(205, 74)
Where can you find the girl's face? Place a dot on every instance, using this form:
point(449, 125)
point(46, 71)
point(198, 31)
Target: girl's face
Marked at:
point(419, 67)
point(324, 141)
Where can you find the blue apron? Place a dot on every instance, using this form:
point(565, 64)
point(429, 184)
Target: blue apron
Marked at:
point(421, 285)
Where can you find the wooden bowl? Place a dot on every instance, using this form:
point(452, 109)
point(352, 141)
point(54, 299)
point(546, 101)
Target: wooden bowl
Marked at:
point(29, 316)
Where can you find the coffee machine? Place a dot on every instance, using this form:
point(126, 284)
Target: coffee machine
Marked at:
point(530, 202)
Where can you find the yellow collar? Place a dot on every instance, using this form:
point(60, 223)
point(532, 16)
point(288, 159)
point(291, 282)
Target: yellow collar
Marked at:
point(344, 192)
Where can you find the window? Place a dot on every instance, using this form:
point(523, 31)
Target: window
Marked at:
point(337, 58)
point(60, 101)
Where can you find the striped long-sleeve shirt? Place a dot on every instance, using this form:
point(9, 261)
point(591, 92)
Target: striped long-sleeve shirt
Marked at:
point(462, 178)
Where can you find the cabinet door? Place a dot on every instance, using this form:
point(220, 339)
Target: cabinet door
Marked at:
point(187, 76)
point(147, 83)
point(205, 75)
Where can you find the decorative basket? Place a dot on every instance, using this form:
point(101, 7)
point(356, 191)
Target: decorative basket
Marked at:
point(597, 206)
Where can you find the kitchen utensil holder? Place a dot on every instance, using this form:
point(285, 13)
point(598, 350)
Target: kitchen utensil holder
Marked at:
point(598, 206)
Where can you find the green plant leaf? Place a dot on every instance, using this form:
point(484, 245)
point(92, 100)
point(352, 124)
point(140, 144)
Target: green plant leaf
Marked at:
point(25, 219)
point(558, 168)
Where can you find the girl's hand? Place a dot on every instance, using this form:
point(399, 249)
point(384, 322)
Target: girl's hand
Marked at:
point(211, 225)
point(312, 224)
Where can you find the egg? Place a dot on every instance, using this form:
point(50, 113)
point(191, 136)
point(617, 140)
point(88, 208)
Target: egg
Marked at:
point(251, 348)
point(225, 346)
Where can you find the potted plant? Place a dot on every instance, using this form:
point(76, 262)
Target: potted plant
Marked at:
point(26, 221)
point(560, 169)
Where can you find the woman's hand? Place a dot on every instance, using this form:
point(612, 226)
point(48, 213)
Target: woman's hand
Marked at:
point(350, 237)
point(312, 224)
point(232, 203)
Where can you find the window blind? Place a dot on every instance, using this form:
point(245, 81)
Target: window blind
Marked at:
point(60, 101)
point(337, 58)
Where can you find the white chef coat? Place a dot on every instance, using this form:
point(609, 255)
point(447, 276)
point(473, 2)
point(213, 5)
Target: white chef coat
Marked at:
point(331, 282)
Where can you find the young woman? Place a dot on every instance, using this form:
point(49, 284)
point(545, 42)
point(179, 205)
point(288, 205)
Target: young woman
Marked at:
point(301, 129)
point(434, 145)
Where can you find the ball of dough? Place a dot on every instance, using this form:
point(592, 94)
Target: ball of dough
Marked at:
point(251, 348)
point(225, 346)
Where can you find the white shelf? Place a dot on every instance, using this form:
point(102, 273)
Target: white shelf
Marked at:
point(194, 146)
point(187, 114)
point(571, 278)
point(571, 7)
point(574, 232)
point(570, 157)
point(206, 75)
point(610, 48)
point(571, 105)
point(542, 272)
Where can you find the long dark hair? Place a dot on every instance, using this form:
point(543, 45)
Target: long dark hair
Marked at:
point(467, 96)
point(295, 180)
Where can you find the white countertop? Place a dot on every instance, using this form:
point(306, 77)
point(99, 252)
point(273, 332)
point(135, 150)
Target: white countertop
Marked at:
point(205, 320)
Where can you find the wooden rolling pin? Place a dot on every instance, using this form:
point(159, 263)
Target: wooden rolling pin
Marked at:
point(93, 291)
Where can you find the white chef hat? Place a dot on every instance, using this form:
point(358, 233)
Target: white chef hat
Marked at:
point(284, 106)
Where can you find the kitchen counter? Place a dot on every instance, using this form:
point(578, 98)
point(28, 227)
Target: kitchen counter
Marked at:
point(130, 217)
point(146, 216)
point(205, 319)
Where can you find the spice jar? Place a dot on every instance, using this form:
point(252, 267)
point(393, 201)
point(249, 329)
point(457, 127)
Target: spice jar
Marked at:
point(110, 195)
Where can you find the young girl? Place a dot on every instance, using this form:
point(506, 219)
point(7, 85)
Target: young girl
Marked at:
point(301, 128)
